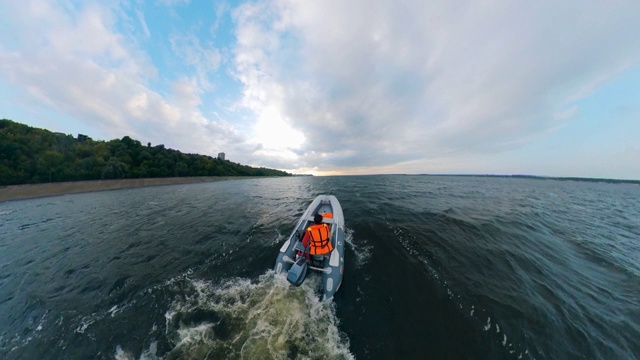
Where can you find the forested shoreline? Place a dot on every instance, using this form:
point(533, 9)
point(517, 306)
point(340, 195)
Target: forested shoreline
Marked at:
point(31, 155)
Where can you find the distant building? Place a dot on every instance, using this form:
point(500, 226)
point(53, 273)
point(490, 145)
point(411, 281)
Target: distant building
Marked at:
point(221, 156)
point(82, 138)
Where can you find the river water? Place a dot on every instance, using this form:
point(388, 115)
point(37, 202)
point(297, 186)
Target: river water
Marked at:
point(436, 267)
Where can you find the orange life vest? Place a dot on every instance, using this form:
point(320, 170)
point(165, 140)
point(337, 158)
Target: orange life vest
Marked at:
point(319, 239)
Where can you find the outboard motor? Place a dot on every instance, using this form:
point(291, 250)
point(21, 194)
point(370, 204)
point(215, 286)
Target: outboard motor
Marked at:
point(298, 272)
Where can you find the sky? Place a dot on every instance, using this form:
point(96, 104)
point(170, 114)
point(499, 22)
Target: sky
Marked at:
point(548, 88)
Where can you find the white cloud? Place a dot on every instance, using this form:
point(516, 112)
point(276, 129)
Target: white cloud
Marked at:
point(143, 23)
point(187, 92)
point(273, 132)
point(205, 59)
point(74, 60)
point(257, 44)
point(326, 86)
point(566, 114)
point(173, 2)
point(389, 82)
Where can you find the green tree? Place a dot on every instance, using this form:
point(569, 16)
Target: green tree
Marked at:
point(114, 169)
point(181, 169)
point(31, 155)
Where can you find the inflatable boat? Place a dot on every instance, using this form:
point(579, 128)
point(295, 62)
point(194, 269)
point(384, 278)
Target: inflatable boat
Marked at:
point(297, 261)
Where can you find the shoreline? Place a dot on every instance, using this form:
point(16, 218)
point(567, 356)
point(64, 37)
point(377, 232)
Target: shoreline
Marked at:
point(32, 191)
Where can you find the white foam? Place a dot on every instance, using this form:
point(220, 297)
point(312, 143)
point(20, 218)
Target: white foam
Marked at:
point(488, 326)
point(268, 317)
point(113, 310)
point(190, 335)
point(41, 322)
point(85, 323)
point(89, 320)
point(122, 355)
point(362, 250)
point(277, 240)
point(149, 354)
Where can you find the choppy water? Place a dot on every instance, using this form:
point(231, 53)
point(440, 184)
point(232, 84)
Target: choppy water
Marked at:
point(436, 267)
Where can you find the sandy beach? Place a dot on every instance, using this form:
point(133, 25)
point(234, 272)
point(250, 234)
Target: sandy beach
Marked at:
point(20, 192)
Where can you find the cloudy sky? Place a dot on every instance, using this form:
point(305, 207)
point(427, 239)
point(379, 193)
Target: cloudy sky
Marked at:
point(339, 87)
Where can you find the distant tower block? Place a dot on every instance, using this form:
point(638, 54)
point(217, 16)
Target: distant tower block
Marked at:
point(221, 156)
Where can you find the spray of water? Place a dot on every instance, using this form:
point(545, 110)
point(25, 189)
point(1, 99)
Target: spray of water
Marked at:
point(244, 319)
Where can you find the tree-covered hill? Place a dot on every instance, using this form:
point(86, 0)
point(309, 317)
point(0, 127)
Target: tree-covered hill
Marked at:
point(29, 155)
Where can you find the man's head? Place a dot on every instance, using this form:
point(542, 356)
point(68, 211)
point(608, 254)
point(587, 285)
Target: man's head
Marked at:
point(317, 219)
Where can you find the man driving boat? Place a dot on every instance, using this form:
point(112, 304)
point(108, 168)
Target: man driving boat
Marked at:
point(317, 236)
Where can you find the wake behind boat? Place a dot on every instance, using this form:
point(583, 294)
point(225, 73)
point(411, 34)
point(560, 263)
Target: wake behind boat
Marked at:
point(317, 244)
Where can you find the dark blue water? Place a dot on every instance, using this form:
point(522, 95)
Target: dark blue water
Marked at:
point(436, 267)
